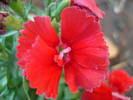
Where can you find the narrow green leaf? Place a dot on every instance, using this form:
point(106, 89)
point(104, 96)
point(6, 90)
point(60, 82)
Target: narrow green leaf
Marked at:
point(3, 80)
point(61, 6)
point(28, 7)
point(9, 33)
point(10, 96)
point(25, 86)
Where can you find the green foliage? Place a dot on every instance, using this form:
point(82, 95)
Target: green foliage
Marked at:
point(56, 13)
point(18, 7)
point(12, 23)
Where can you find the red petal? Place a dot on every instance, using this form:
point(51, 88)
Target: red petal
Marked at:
point(46, 31)
point(70, 78)
point(91, 5)
point(120, 81)
point(78, 76)
point(40, 69)
point(27, 38)
point(77, 25)
point(91, 52)
point(41, 27)
point(102, 93)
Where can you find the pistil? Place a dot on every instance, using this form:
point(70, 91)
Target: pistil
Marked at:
point(60, 59)
point(63, 52)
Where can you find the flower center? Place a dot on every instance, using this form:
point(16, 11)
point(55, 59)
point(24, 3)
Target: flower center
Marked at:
point(62, 58)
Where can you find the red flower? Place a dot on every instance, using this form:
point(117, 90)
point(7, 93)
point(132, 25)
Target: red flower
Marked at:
point(84, 56)
point(119, 83)
point(104, 92)
point(90, 5)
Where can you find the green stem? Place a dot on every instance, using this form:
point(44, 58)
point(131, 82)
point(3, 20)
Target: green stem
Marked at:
point(28, 97)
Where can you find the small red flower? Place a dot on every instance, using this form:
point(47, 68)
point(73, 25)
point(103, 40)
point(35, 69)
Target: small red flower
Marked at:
point(104, 92)
point(84, 57)
point(90, 5)
point(119, 83)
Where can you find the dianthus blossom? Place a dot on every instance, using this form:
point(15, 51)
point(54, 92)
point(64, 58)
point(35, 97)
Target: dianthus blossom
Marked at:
point(119, 83)
point(103, 92)
point(80, 50)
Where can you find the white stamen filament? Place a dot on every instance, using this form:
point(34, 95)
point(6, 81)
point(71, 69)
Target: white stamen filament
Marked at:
point(115, 94)
point(66, 50)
